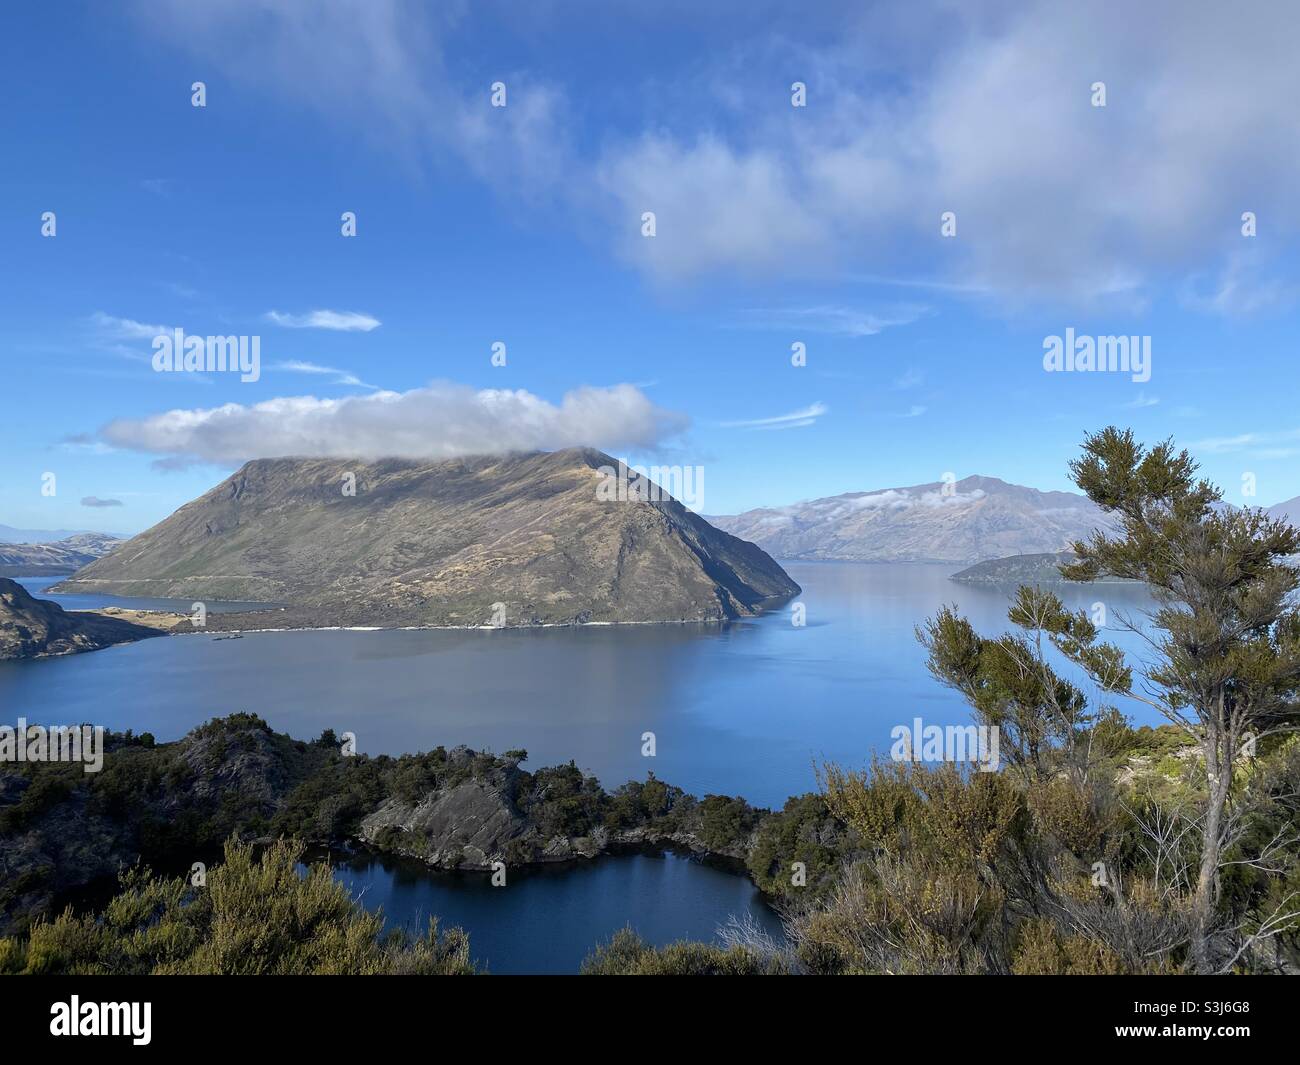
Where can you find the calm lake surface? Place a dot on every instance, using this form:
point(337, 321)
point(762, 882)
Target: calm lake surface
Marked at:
point(743, 709)
point(547, 920)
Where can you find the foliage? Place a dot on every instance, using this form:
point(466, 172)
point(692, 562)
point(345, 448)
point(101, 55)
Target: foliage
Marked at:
point(627, 954)
point(804, 831)
point(1225, 665)
point(1102, 849)
point(256, 915)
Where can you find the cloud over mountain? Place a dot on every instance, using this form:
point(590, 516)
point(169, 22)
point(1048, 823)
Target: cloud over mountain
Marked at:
point(442, 420)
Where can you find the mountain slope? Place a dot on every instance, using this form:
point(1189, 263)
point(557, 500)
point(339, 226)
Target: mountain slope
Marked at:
point(34, 628)
point(60, 557)
point(1288, 511)
point(979, 518)
point(441, 544)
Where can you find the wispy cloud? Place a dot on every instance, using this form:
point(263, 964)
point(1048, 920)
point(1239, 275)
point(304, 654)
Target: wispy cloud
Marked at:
point(911, 378)
point(1263, 445)
point(341, 377)
point(1141, 401)
point(914, 411)
point(797, 419)
point(338, 321)
point(962, 287)
point(840, 321)
point(86, 443)
point(126, 328)
point(1241, 288)
point(95, 501)
point(389, 65)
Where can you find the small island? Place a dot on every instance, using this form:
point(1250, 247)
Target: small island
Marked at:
point(1035, 569)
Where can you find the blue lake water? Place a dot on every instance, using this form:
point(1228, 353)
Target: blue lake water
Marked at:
point(547, 920)
point(744, 709)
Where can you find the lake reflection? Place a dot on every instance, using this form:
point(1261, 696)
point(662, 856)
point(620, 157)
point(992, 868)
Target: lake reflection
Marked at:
point(548, 919)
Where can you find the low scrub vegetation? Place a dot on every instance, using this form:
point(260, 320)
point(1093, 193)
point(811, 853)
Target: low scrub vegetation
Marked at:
point(255, 915)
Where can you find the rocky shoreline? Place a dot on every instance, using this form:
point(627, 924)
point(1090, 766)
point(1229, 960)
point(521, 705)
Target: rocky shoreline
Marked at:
point(286, 619)
point(63, 830)
point(38, 628)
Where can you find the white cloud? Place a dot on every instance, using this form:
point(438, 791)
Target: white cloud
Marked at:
point(440, 421)
point(339, 321)
point(1142, 401)
point(798, 419)
point(992, 120)
point(983, 110)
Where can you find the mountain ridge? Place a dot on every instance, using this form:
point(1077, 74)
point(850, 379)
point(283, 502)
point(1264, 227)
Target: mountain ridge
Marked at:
point(962, 521)
point(55, 558)
point(1288, 510)
point(11, 535)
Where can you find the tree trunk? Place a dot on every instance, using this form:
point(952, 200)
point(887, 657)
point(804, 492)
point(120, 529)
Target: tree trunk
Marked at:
point(1206, 896)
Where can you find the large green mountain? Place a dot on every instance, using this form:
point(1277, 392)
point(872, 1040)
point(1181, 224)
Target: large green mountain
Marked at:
point(514, 540)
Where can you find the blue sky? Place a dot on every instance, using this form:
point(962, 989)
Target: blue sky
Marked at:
point(522, 224)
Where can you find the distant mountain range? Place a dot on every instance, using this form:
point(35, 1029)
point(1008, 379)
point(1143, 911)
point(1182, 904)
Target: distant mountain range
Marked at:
point(54, 559)
point(1288, 511)
point(965, 521)
point(10, 535)
point(513, 540)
